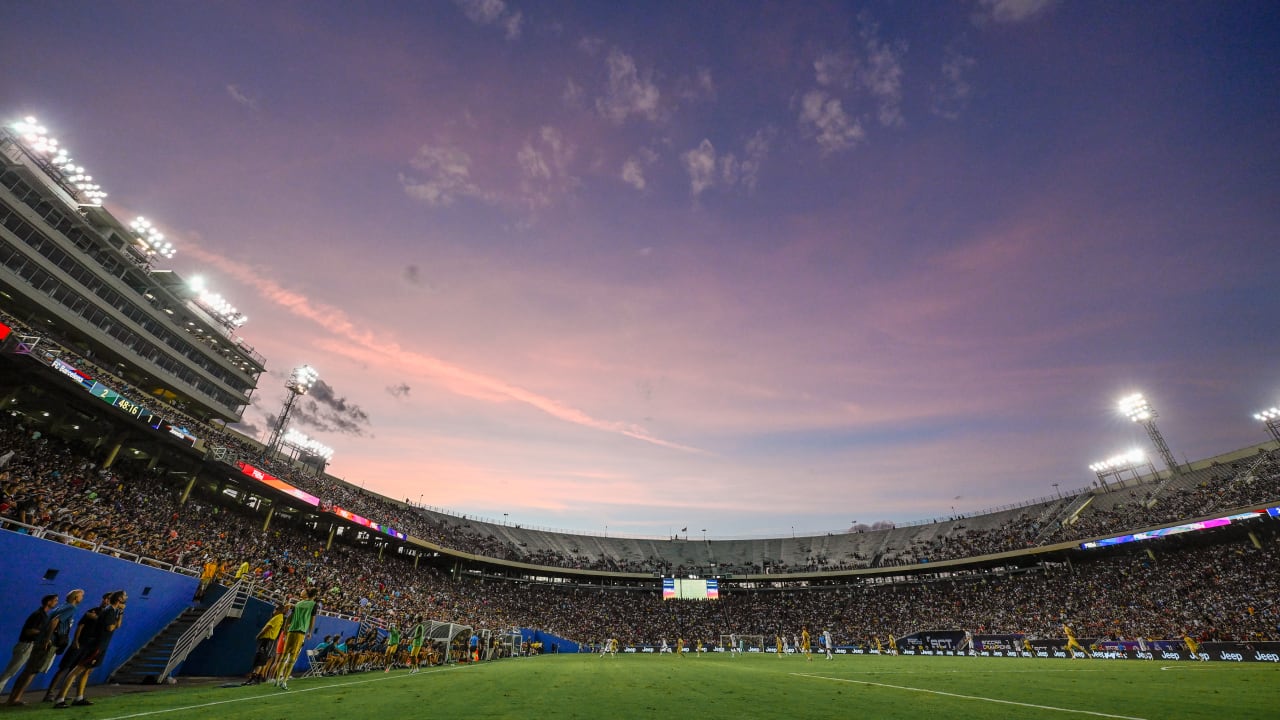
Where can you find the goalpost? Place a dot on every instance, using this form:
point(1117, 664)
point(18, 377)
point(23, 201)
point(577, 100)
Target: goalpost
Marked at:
point(749, 643)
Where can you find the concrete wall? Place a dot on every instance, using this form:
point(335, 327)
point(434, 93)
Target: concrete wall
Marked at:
point(31, 568)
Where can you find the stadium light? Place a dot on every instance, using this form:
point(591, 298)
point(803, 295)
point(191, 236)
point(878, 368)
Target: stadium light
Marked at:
point(150, 240)
point(298, 384)
point(1136, 408)
point(54, 160)
point(216, 305)
point(300, 441)
point(1114, 466)
point(1271, 417)
point(301, 380)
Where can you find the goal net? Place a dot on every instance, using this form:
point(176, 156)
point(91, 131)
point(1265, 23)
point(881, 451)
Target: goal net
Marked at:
point(748, 643)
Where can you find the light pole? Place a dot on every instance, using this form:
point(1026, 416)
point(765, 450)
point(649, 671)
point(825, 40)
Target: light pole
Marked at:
point(298, 384)
point(1136, 408)
point(1056, 491)
point(1271, 417)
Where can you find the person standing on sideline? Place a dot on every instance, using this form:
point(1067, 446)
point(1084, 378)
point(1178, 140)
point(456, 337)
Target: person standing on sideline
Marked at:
point(829, 644)
point(31, 629)
point(393, 648)
point(53, 640)
point(416, 641)
point(301, 624)
point(83, 638)
point(266, 649)
point(109, 619)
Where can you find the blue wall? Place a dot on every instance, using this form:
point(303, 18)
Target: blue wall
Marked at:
point(156, 597)
point(546, 638)
point(230, 650)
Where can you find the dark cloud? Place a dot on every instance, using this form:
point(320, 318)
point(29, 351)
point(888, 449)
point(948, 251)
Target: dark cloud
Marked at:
point(247, 429)
point(399, 391)
point(322, 409)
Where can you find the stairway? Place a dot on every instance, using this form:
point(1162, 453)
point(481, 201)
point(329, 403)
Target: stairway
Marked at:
point(156, 660)
point(147, 665)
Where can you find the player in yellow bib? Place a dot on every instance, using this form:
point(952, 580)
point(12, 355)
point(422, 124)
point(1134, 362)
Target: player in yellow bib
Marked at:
point(301, 624)
point(1073, 643)
point(1193, 647)
point(804, 643)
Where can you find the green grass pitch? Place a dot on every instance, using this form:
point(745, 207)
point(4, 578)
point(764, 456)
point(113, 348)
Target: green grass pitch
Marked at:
point(752, 686)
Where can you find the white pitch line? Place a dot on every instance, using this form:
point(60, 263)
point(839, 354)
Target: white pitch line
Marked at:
point(971, 671)
point(972, 697)
point(271, 695)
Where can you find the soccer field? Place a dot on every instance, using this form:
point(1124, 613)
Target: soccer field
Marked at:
point(752, 686)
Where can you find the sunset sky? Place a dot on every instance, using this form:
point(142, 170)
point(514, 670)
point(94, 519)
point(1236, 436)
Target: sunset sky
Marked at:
point(747, 267)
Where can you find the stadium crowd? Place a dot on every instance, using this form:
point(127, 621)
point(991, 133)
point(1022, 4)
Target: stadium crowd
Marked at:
point(1219, 591)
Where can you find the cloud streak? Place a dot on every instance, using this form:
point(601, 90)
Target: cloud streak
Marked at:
point(392, 356)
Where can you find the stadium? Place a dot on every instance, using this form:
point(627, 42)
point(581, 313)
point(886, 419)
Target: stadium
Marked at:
point(119, 379)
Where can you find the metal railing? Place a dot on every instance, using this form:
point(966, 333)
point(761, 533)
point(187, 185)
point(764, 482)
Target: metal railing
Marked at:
point(202, 628)
point(45, 533)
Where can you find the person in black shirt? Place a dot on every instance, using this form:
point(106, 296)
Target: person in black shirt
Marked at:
point(31, 630)
point(107, 621)
point(84, 637)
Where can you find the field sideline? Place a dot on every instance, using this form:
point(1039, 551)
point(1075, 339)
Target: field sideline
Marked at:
point(752, 686)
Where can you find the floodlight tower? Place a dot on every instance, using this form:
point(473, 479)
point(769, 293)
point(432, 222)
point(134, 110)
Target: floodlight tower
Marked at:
point(1271, 417)
point(1136, 408)
point(298, 384)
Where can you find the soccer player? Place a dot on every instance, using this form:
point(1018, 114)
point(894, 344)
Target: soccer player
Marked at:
point(804, 643)
point(893, 645)
point(301, 624)
point(416, 640)
point(1145, 649)
point(1072, 642)
point(1193, 647)
point(1026, 646)
point(733, 645)
point(697, 652)
point(778, 639)
point(829, 644)
point(393, 648)
point(680, 647)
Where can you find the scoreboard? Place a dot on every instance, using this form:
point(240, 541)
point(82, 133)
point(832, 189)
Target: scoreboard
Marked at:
point(674, 588)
